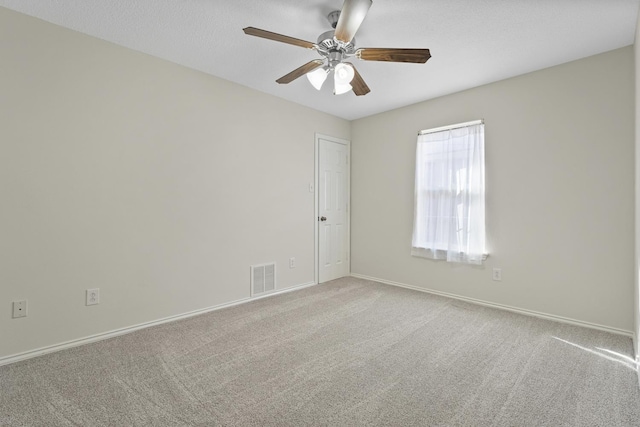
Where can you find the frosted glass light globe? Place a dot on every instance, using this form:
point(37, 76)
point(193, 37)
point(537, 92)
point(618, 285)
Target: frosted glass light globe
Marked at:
point(339, 89)
point(344, 74)
point(317, 77)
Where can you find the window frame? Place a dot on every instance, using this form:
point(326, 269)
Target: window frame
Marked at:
point(440, 242)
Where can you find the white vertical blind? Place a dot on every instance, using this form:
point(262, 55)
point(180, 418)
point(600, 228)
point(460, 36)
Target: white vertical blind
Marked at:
point(449, 218)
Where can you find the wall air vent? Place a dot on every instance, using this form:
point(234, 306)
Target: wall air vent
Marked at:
point(263, 279)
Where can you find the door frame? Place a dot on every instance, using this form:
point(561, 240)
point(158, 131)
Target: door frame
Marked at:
point(316, 204)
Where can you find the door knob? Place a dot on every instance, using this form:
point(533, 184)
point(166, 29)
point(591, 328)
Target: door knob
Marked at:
point(323, 218)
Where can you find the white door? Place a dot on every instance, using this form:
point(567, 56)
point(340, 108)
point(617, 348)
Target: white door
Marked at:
point(333, 206)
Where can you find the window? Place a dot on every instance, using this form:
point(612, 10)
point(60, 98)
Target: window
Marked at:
point(449, 194)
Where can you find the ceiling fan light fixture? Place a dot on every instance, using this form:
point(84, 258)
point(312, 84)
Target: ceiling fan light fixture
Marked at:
point(317, 77)
point(340, 88)
point(343, 74)
point(337, 45)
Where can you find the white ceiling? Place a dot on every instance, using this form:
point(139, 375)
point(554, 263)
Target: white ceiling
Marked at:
point(472, 42)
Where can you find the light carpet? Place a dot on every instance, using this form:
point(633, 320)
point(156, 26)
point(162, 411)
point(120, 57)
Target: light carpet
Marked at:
point(346, 353)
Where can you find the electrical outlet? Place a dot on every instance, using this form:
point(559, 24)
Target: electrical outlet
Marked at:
point(497, 274)
point(292, 263)
point(19, 309)
point(93, 296)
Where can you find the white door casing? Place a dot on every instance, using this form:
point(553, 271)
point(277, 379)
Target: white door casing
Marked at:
point(332, 175)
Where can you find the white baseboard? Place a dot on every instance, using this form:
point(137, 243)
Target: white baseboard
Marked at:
point(502, 306)
point(126, 330)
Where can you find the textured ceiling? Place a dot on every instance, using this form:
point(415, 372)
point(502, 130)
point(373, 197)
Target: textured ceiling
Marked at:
point(472, 42)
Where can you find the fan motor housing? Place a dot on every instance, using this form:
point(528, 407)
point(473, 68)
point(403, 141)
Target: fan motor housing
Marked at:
point(328, 42)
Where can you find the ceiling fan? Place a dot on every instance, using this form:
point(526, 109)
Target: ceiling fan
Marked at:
point(336, 47)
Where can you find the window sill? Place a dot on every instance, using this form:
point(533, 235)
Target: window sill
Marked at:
point(440, 254)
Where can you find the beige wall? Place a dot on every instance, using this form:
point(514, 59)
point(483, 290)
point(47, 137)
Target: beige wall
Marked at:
point(155, 183)
point(560, 205)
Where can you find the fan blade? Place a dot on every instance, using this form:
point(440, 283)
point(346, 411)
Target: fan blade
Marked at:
point(351, 17)
point(418, 56)
point(278, 37)
point(359, 86)
point(300, 71)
